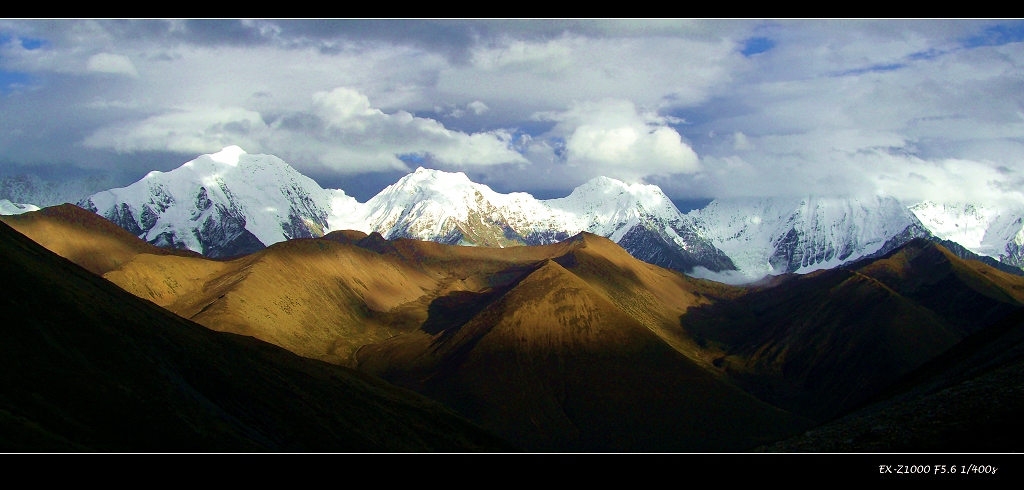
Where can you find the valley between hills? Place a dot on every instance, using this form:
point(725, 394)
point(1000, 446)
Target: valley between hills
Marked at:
point(351, 342)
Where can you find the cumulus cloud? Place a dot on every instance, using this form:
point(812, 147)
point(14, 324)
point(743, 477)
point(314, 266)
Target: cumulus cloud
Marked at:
point(341, 130)
point(866, 112)
point(188, 130)
point(915, 108)
point(112, 63)
point(522, 76)
point(349, 115)
point(616, 139)
point(477, 107)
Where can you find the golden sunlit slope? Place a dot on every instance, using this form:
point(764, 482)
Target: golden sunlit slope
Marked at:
point(319, 298)
point(823, 343)
point(967, 293)
point(324, 298)
point(653, 296)
point(83, 237)
point(85, 366)
point(550, 363)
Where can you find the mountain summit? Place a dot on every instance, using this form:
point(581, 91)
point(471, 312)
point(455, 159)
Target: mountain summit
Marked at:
point(230, 203)
point(779, 235)
point(221, 204)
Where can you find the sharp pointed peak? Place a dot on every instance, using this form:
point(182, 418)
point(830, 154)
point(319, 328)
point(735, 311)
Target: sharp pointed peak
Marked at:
point(228, 155)
point(438, 174)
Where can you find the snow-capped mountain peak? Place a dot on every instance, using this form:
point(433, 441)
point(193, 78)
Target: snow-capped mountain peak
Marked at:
point(802, 234)
point(8, 208)
point(219, 204)
point(229, 155)
point(231, 202)
point(996, 233)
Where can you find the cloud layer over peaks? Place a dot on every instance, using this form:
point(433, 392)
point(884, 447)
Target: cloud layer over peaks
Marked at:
point(339, 130)
point(916, 109)
point(612, 138)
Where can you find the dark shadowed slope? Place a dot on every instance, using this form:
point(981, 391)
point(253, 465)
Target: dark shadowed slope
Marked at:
point(551, 363)
point(824, 343)
point(639, 385)
point(85, 366)
point(969, 399)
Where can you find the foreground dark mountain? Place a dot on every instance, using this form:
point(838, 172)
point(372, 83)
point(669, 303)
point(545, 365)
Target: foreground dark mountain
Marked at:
point(85, 366)
point(824, 343)
point(968, 399)
point(611, 368)
point(551, 359)
point(578, 346)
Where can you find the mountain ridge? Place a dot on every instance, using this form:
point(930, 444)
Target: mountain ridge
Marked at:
point(231, 203)
point(512, 338)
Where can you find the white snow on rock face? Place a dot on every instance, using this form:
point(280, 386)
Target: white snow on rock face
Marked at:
point(965, 224)
point(221, 196)
point(449, 208)
point(27, 188)
point(427, 204)
point(231, 202)
point(606, 207)
point(776, 235)
point(8, 208)
point(997, 233)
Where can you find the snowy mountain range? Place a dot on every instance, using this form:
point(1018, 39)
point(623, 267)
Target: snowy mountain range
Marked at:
point(222, 204)
point(27, 188)
point(778, 235)
point(990, 232)
point(449, 208)
point(7, 207)
point(230, 203)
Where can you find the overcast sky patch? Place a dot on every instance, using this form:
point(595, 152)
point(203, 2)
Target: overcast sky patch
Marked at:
point(917, 109)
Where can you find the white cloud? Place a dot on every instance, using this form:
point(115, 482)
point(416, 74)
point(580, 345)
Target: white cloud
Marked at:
point(741, 142)
point(479, 107)
point(346, 109)
point(612, 137)
point(112, 63)
point(188, 130)
point(349, 114)
point(941, 126)
point(833, 107)
point(522, 76)
point(350, 135)
point(515, 55)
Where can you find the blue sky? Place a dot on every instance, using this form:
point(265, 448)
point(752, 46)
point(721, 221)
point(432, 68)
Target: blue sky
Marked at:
point(917, 109)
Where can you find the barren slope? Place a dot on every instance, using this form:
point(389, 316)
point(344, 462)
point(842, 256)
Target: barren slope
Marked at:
point(86, 239)
point(550, 363)
point(85, 366)
point(823, 343)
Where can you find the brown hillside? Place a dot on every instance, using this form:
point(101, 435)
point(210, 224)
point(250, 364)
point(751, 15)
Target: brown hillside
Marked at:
point(552, 364)
point(85, 238)
point(823, 343)
point(85, 366)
